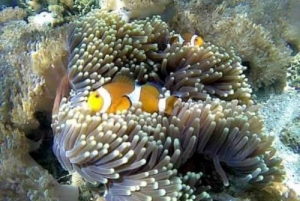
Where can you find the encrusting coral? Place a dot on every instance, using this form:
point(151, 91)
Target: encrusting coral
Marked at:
point(136, 154)
point(12, 14)
point(30, 67)
point(56, 12)
point(137, 9)
point(27, 182)
point(294, 72)
point(31, 71)
point(21, 177)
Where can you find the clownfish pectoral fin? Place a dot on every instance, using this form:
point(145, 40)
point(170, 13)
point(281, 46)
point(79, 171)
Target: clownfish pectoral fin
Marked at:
point(123, 103)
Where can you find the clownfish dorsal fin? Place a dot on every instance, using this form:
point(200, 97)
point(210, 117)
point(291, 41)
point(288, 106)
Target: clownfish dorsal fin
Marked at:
point(151, 89)
point(187, 36)
point(126, 79)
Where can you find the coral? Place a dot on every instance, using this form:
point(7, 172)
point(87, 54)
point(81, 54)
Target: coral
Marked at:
point(136, 154)
point(67, 3)
point(34, 5)
point(21, 177)
point(31, 72)
point(137, 9)
point(254, 35)
point(42, 20)
point(17, 105)
point(292, 32)
point(294, 72)
point(290, 135)
point(9, 14)
point(277, 191)
point(57, 12)
point(84, 6)
point(48, 12)
point(46, 19)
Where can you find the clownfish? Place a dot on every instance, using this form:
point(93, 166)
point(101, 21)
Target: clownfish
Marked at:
point(187, 39)
point(120, 94)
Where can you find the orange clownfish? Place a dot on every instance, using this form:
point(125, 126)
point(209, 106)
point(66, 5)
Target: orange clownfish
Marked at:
point(187, 39)
point(120, 94)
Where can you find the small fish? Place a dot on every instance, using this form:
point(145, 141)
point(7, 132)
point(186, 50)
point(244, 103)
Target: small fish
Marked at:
point(187, 39)
point(120, 94)
point(63, 90)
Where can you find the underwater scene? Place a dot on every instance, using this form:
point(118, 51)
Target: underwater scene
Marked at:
point(149, 100)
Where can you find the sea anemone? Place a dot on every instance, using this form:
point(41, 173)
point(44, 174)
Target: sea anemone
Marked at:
point(136, 154)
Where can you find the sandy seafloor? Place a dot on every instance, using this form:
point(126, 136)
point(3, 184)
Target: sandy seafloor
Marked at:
point(282, 111)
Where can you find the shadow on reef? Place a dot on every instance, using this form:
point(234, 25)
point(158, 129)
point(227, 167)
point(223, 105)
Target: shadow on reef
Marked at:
point(44, 155)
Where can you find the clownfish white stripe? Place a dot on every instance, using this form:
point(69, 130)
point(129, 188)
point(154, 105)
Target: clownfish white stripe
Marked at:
point(106, 96)
point(134, 96)
point(162, 104)
point(180, 39)
point(193, 39)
